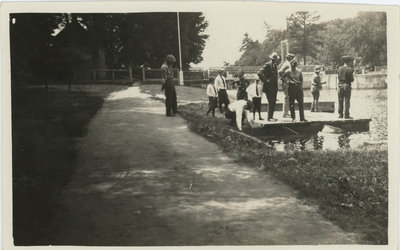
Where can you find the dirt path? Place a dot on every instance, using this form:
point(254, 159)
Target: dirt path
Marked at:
point(145, 179)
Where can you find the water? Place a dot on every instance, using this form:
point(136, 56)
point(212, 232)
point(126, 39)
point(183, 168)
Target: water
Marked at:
point(364, 103)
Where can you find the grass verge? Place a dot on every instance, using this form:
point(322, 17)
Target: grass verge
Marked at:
point(350, 185)
point(45, 128)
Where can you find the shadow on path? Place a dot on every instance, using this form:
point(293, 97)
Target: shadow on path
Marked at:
point(145, 179)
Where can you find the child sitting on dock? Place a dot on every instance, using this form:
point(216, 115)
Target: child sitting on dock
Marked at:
point(294, 78)
point(316, 86)
point(212, 94)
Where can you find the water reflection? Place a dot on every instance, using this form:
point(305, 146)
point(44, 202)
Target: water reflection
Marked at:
point(320, 141)
point(364, 103)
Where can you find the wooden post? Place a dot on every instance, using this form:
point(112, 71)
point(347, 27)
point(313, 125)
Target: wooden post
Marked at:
point(130, 74)
point(94, 75)
point(112, 76)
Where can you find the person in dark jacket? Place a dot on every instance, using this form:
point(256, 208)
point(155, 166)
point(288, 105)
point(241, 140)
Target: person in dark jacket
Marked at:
point(294, 77)
point(167, 77)
point(268, 74)
point(285, 66)
point(345, 77)
point(241, 84)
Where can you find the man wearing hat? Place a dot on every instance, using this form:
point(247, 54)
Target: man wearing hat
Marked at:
point(167, 76)
point(268, 74)
point(285, 66)
point(345, 77)
point(220, 84)
point(294, 78)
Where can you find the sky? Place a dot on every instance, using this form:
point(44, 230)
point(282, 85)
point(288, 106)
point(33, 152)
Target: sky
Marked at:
point(227, 28)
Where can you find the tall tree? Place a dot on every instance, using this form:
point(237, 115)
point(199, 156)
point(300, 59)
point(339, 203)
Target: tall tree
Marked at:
point(256, 54)
point(303, 32)
point(251, 50)
point(149, 37)
point(31, 46)
point(336, 41)
point(368, 37)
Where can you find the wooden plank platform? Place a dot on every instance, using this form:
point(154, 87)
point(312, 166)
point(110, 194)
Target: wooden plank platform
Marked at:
point(315, 122)
point(322, 106)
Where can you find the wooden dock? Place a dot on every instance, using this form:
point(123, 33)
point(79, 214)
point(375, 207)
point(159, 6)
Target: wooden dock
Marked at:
point(315, 122)
point(322, 106)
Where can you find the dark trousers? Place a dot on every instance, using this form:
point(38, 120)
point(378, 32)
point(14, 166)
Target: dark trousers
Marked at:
point(170, 99)
point(296, 94)
point(256, 106)
point(344, 94)
point(223, 99)
point(241, 94)
point(212, 104)
point(271, 96)
point(232, 116)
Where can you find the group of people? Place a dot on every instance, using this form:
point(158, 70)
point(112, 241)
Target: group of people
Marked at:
point(250, 95)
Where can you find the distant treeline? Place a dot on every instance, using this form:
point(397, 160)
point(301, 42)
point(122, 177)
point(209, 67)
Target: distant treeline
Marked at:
point(55, 46)
point(363, 37)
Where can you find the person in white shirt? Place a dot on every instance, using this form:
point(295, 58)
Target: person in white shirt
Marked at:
point(254, 91)
point(220, 85)
point(285, 66)
point(212, 94)
point(236, 112)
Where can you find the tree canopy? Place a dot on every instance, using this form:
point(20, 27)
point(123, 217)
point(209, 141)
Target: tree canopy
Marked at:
point(109, 40)
point(303, 31)
point(362, 37)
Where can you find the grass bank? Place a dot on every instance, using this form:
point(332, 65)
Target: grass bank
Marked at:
point(45, 128)
point(350, 186)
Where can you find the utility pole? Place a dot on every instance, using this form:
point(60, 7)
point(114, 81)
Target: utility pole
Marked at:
point(180, 52)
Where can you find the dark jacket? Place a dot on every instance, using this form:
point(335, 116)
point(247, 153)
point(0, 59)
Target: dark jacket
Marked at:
point(268, 74)
point(345, 75)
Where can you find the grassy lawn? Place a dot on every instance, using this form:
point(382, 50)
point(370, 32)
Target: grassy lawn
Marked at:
point(44, 132)
point(184, 93)
point(350, 186)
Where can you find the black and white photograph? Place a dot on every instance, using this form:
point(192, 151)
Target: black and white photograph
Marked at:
point(200, 124)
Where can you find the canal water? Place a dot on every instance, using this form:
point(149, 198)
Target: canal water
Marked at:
point(365, 103)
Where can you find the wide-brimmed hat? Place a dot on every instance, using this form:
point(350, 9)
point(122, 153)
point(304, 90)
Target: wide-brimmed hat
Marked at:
point(220, 71)
point(170, 58)
point(290, 56)
point(294, 61)
point(317, 68)
point(274, 55)
point(346, 58)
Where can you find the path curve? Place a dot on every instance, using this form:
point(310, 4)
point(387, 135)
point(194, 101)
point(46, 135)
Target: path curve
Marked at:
point(144, 179)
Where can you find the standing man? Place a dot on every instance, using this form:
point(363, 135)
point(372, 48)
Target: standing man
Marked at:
point(220, 84)
point(294, 78)
point(345, 77)
point(285, 66)
point(167, 76)
point(268, 74)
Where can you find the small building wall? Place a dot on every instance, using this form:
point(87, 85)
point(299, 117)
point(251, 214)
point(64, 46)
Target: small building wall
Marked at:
point(361, 81)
